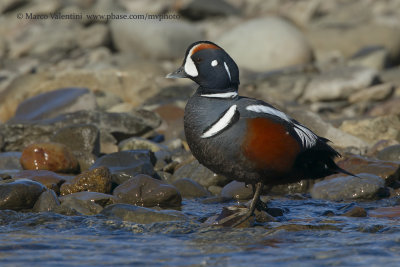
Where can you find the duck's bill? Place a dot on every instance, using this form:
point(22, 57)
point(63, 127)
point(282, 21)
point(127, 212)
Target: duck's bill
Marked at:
point(179, 73)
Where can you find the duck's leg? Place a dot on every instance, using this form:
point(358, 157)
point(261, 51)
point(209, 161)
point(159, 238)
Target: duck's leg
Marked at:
point(253, 205)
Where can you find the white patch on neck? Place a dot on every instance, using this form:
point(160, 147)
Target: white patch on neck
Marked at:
point(214, 63)
point(221, 95)
point(308, 138)
point(222, 123)
point(189, 67)
point(227, 70)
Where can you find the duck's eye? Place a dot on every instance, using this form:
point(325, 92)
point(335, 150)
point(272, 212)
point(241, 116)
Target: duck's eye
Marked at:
point(198, 59)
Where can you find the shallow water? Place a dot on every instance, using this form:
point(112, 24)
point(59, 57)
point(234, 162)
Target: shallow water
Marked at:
point(302, 237)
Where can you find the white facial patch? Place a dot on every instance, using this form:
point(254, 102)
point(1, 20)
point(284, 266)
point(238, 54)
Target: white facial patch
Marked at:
point(214, 63)
point(189, 67)
point(227, 70)
point(221, 95)
point(221, 124)
point(308, 138)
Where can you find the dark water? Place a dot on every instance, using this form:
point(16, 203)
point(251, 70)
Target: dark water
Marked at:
point(302, 237)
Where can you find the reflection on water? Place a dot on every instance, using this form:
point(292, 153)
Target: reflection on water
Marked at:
point(302, 237)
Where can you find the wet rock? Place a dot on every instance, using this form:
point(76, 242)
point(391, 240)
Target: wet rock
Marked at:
point(83, 140)
point(302, 186)
point(81, 206)
point(355, 211)
point(372, 129)
point(47, 201)
point(10, 160)
point(231, 215)
point(366, 186)
point(49, 156)
point(96, 180)
point(338, 137)
point(263, 217)
point(95, 197)
point(127, 164)
point(338, 83)
point(388, 171)
point(263, 39)
point(142, 190)
point(120, 125)
point(386, 212)
point(198, 10)
point(198, 173)
point(190, 189)
point(49, 179)
point(19, 194)
point(51, 104)
point(141, 215)
point(237, 190)
point(215, 190)
point(169, 38)
point(390, 153)
point(375, 93)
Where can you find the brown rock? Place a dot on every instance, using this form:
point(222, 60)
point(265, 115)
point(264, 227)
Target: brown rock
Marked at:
point(49, 179)
point(388, 212)
point(374, 93)
point(389, 171)
point(96, 180)
point(143, 190)
point(356, 211)
point(390, 107)
point(49, 156)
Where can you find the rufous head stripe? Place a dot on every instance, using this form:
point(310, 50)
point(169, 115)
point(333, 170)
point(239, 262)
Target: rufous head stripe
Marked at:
point(202, 46)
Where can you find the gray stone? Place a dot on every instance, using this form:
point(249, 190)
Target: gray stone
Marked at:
point(81, 206)
point(269, 43)
point(19, 194)
point(200, 174)
point(373, 129)
point(137, 143)
point(374, 93)
point(366, 186)
point(141, 215)
point(198, 10)
point(51, 104)
point(145, 191)
point(190, 189)
point(237, 190)
point(83, 140)
point(346, 39)
point(127, 164)
point(47, 201)
point(390, 153)
point(10, 160)
point(168, 39)
point(17, 136)
point(95, 35)
point(95, 197)
point(338, 83)
point(375, 57)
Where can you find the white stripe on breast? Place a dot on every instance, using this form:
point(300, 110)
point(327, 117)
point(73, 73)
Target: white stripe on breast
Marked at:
point(221, 124)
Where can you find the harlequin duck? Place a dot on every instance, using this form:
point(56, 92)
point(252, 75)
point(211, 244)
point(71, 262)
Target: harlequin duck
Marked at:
point(242, 138)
